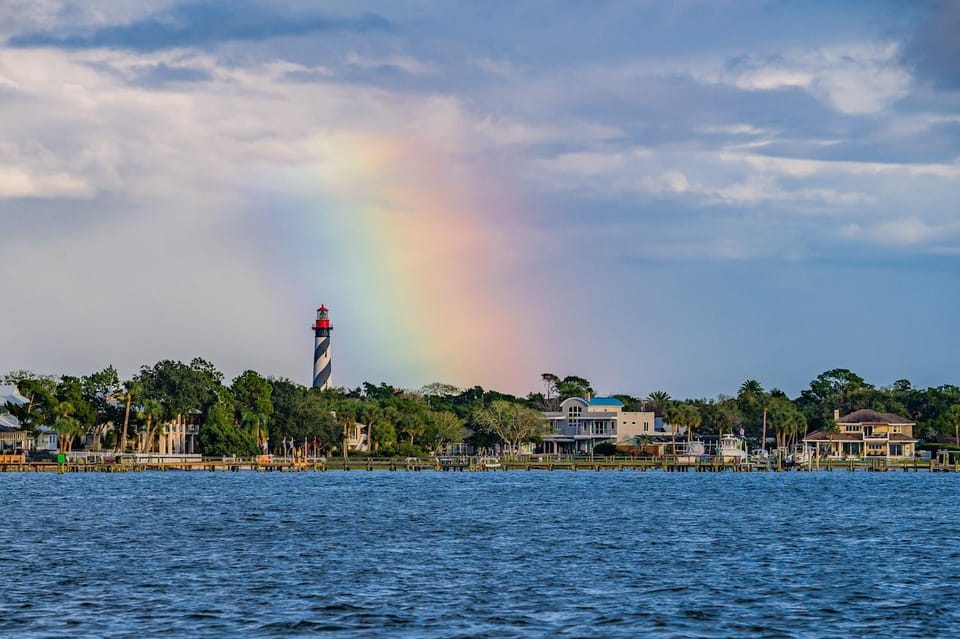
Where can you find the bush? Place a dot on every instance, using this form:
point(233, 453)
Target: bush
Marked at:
point(217, 440)
point(934, 446)
point(407, 450)
point(605, 448)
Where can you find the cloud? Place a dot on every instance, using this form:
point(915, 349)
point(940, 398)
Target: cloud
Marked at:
point(157, 74)
point(908, 232)
point(202, 24)
point(853, 78)
point(932, 48)
point(19, 182)
point(404, 63)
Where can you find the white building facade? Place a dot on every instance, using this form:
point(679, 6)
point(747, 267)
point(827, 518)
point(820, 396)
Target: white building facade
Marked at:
point(581, 424)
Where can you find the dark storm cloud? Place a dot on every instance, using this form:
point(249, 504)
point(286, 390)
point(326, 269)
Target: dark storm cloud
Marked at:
point(933, 49)
point(203, 24)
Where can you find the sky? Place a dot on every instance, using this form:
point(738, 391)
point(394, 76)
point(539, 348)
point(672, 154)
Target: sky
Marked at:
point(653, 195)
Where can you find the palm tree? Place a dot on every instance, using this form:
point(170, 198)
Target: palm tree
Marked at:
point(153, 413)
point(66, 425)
point(750, 387)
point(658, 401)
point(686, 416)
point(131, 389)
point(953, 417)
point(752, 400)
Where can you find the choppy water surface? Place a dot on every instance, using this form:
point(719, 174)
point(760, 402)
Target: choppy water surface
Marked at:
point(518, 554)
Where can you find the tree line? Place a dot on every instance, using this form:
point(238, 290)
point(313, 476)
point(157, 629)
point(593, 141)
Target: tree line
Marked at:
point(254, 413)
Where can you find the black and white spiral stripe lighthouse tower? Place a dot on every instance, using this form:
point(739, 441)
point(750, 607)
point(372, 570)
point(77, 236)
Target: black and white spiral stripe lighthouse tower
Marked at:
point(321, 350)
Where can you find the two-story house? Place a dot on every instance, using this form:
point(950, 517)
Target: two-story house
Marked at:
point(581, 424)
point(866, 434)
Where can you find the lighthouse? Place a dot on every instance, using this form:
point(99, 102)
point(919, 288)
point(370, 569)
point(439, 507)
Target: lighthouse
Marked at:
point(321, 350)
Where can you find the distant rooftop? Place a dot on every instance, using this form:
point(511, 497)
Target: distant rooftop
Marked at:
point(9, 393)
point(606, 401)
point(9, 423)
point(867, 416)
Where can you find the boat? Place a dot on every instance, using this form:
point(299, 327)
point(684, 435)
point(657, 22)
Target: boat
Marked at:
point(692, 452)
point(488, 462)
point(731, 449)
point(801, 455)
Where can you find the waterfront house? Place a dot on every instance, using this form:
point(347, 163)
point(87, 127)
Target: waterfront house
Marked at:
point(177, 437)
point(582, 423)
point(358, 437)
point(866, 434)
point(47, 439)
point(11, 435)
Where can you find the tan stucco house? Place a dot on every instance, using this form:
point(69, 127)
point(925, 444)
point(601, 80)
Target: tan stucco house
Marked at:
point(866, 434)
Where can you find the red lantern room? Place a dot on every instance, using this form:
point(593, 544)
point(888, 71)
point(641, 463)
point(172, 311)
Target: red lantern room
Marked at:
point(323, 320)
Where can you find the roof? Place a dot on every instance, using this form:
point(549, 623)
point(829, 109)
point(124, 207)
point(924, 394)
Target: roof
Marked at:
point(900, 437)
point(820, 436)
point(606, 401)
point(9, 393)
point(9, 423)
point(867, 416)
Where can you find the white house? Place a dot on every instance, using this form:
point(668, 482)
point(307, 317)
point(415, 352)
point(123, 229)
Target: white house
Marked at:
point(11, 435)
point(581, 424)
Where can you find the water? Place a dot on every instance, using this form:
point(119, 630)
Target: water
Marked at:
point(507, 554)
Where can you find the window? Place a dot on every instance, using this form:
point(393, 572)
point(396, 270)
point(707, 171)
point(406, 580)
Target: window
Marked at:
point(646, 427)
point(896, 429)
point(575, 411)
point(853, 428)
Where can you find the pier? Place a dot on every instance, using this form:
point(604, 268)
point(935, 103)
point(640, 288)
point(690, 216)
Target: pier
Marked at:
point(17, 463)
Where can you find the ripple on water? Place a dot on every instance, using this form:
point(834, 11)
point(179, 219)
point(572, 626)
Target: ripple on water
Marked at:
point(487, 554)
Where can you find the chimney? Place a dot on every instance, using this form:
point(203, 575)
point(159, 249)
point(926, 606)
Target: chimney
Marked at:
point(588, 396)
point(836, 414)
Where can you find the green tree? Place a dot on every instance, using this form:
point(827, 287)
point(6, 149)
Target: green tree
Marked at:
point(658, 401)
point(573, 386)
point(831, 389)
point(682, 416)
point(40, 393)
point(952, 418)
point(787, 422)
point(132, 391)
point(512, 423)
point(443, 428)
point(753, 401)
point(70, 393)
point(220, 437)
point(152, 411)
point(101, 390)
point(253, 402)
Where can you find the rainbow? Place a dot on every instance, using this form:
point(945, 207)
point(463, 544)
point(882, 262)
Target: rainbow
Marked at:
point(417, 259)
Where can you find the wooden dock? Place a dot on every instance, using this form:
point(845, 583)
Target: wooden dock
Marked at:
point(467, 464)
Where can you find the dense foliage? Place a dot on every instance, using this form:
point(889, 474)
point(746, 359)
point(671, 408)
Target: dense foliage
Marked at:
point(253, 413)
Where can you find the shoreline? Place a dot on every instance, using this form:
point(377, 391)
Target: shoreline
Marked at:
point(471, 465)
